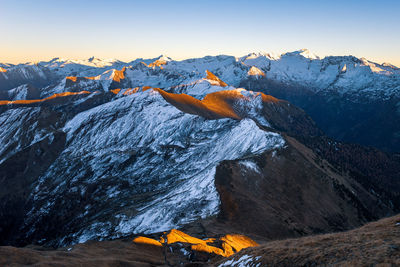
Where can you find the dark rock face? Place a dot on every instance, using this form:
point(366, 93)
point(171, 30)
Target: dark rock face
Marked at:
point(32, 144)
point(18, 174)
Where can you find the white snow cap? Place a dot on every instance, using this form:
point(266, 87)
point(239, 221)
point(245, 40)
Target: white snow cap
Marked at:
point(302, 52)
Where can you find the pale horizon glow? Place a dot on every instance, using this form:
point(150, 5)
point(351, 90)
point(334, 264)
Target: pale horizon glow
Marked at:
point(40, 30)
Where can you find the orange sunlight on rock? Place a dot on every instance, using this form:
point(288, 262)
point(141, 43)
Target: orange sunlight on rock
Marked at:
point(2, 70)
point(229, 244)
point(157, 63)
point(254, 71)
point(147, 241)
point(214, 80)
point(145, 88)
point(5, 102)
point(72, 78)
point(175, 236)
point(115, 91)
point(130, 91)
point(119, 75)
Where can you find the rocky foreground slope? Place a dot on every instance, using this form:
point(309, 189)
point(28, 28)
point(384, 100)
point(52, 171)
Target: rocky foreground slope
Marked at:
point(376, 243)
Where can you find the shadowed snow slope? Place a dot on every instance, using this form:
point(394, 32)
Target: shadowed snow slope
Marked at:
point(148, 165)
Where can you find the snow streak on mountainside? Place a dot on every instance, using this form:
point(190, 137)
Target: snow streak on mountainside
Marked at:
point(148, 165)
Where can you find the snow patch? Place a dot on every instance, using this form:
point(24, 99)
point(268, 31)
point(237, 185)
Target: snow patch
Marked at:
point(250, 165)
point(243, 261)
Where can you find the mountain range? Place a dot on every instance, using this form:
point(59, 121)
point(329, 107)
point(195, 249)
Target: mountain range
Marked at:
point(263, 146)
point(362, 95)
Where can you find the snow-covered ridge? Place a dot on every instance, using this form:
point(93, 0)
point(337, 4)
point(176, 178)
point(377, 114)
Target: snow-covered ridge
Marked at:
point(149, 165)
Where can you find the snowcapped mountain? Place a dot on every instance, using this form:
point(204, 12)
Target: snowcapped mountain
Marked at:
point(102, 149)
point(14, 76)
point(142, 153)
point(137, 163)
point(345, 75)
point(89, 67)
point(359, 92)
point(138, 146)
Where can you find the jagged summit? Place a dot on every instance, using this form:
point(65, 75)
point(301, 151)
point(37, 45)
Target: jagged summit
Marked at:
point(163, 58)
point(390, 65)
point(159, 61)
point(302, 52)
point(256, 72)
point(271, 56)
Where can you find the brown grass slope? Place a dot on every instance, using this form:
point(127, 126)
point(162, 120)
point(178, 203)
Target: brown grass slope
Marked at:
point(375, 244)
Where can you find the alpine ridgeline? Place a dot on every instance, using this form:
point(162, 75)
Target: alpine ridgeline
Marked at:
point(103, 149)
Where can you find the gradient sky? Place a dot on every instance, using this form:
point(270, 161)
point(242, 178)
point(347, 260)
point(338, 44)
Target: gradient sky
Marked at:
point(33, 30)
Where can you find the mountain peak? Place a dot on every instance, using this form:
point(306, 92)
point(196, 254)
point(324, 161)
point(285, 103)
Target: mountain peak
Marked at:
point(385, 64)
point(304, 53)
point(254, 71)
point(164, 58)
point(159, 61)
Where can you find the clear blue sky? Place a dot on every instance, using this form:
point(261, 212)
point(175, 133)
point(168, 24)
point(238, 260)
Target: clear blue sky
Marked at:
point(32, 30)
